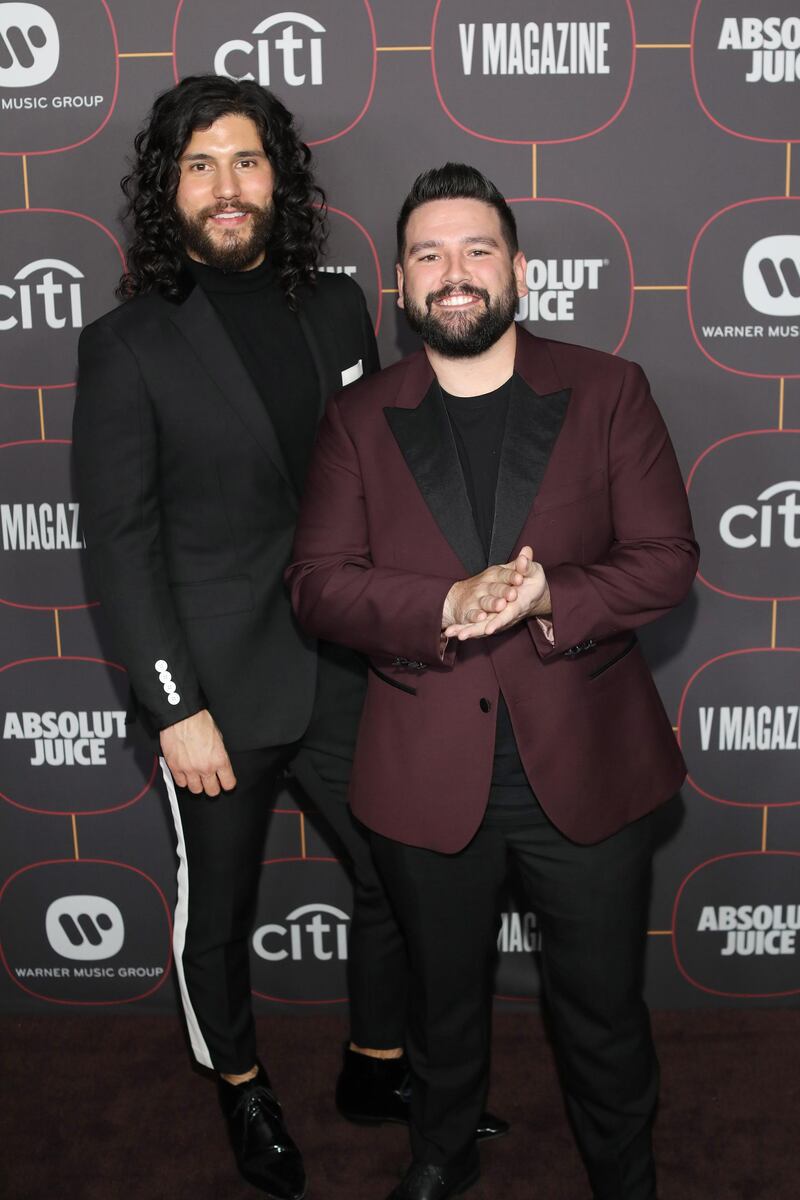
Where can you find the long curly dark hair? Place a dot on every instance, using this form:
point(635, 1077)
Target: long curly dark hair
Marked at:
point(299, 230)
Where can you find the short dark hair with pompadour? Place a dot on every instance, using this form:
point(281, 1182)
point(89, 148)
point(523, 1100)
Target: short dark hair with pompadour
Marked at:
point(456, 181)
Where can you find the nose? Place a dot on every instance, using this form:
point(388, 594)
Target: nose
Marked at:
point(226, 183)
point(455, 270)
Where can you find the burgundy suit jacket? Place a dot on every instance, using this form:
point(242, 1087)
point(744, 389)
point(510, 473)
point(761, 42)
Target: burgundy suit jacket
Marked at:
point(589, 479)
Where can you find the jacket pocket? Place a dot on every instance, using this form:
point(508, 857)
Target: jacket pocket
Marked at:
point(213, 597)
point(626, 649)
point(403, 687)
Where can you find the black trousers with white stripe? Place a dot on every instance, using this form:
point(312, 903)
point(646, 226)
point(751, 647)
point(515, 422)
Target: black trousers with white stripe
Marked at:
point(220, 842)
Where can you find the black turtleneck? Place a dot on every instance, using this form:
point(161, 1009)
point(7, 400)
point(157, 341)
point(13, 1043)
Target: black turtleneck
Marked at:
point(270, 342)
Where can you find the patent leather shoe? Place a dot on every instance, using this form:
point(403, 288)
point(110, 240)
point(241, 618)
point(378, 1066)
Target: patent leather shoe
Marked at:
point(374, 1091)
point(265, 1153)
point(424, 1181)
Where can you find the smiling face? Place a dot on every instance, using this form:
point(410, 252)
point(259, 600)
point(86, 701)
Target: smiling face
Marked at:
point(224, 197)
point(458, 281)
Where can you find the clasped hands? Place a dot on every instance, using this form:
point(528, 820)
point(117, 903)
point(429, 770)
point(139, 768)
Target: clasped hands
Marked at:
point(496, 599)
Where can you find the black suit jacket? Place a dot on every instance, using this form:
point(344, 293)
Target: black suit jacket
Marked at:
point(188, 508)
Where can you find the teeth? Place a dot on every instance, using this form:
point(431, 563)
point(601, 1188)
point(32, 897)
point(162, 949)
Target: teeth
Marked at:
point(227, 216)
point(457, 301)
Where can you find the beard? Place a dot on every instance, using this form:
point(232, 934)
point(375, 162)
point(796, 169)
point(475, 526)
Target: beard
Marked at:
point(234, 251)
point(462, 334)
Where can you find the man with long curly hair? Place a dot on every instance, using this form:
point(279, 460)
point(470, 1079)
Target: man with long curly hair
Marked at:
point(198, 404)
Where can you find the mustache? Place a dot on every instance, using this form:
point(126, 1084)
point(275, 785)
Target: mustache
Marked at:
point(214, 209)
point(451, 289)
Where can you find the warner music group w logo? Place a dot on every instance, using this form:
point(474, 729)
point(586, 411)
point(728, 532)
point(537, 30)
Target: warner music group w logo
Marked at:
point(771, 275)
point(85, 927)
point(29, 45)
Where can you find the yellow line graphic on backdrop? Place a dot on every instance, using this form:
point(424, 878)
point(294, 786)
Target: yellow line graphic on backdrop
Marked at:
point(534, 170)
point(764, 824)
point(774, 634)
point(781, 397)
point(25, 189)
point(399, 49)
point(788, 168)
point(303, 853)
point(75, 848)
point(41, 412)
point(661, 287)
point(659, 933)
point(663, 45)
point(147, 54)
point(58, 632)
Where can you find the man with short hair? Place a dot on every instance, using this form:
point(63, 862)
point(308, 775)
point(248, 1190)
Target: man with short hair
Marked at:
point(197, 407)
point(490, 520)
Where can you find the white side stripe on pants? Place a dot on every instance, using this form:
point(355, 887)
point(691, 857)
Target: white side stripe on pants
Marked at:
point(198, 1042)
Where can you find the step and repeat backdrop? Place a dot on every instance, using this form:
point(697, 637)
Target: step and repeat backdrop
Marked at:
point(650, 153)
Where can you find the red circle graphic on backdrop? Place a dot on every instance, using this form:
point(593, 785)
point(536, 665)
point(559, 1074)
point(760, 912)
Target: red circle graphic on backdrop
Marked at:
point(511, 68)
point(743, 288)
point(43, 75)
point(583, 291)
point(736, 933)
point(65, 744)
point(739, 727)
point(728, 51)
point(745, 499)
point(321, 62)
point(85, 932)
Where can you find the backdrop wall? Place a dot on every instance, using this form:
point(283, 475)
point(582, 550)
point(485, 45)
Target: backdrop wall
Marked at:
point(649, 151)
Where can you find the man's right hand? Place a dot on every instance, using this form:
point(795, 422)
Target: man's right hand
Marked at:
point(471, 599)
point(196, 756)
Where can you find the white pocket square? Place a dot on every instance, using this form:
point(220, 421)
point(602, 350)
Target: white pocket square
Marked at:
point(351, 374)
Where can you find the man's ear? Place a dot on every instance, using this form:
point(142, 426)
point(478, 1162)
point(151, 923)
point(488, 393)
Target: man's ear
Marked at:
point(520, 267)
point(399, 274)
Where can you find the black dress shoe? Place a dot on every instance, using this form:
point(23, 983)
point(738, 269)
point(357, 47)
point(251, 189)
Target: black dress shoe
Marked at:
point(371, 1091)
point(424, 1181)
point(266, 1155)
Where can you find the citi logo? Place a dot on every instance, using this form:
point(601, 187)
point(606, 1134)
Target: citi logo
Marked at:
point(552, 48)
point(552, 284)
point(291, 58)
point(29, 45)
point(773, 41)
point(743, 525)
point(58, 302)
point(771, 275)
point(312, 931)
point(85, 927)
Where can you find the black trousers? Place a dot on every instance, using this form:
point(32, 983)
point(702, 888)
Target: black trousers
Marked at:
point(591, 903)
point(219, 842)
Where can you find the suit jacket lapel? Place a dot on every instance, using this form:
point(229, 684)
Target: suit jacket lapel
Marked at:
point(532, 426)
point(202, 328)
point(426, 442)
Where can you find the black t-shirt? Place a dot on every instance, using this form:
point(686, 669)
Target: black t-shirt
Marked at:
point(270, 342)
point(478, 424)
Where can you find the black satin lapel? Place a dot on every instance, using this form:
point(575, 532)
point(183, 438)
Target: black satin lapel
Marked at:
point(426, 441)
point(205, 332)
point(532, 427)
point(326, 386)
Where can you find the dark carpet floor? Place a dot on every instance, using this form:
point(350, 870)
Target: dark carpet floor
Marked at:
point(105, 1107)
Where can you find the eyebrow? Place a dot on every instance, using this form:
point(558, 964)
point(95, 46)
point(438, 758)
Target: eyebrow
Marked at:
point(465, 241)
point(210, 157)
